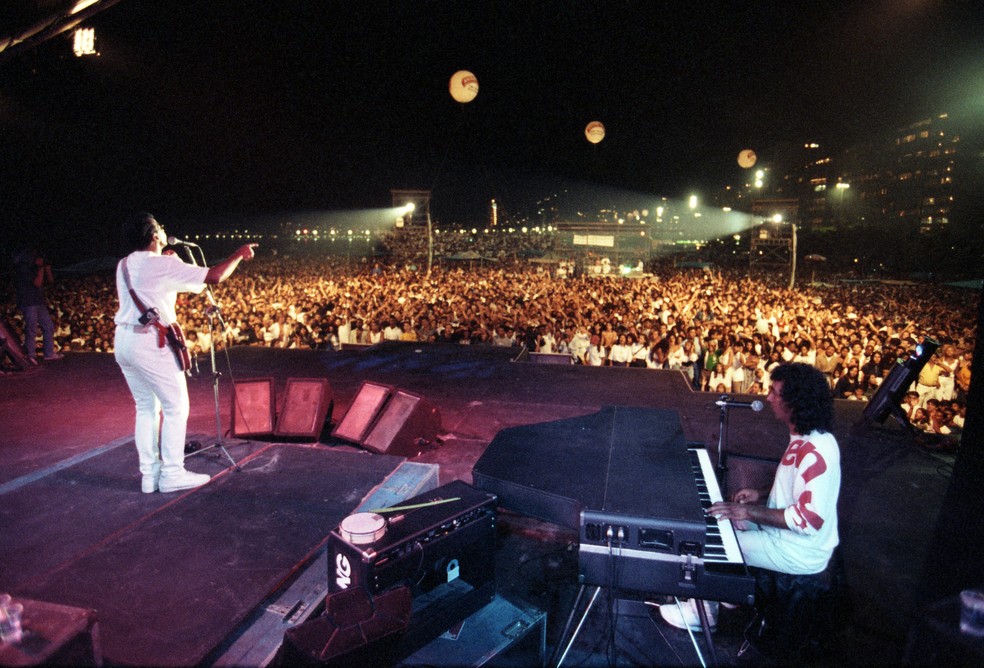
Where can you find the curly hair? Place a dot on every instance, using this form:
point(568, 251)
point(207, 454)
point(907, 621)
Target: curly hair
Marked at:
point(806, 394)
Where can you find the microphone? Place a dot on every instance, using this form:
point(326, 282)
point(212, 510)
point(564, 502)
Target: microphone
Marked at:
point(174, 241)
point(726, 401)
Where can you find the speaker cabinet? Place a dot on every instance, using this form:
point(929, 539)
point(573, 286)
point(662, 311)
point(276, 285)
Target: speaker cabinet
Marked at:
point(252, 407)
point(388, 421)
point(404, 419)
point(365, 407)
point(307, 404)
point(747, 471)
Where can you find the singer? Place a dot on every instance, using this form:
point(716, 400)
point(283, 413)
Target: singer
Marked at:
point(157, 383)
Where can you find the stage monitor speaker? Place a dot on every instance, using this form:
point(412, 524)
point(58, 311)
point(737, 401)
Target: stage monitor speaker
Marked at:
point(405, 419)
point(355, 630)
point(252, 407)
point(357, 421)
point(307, 404)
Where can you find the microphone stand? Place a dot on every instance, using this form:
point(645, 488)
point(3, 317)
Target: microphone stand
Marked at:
point(722, 467)
point(214, 314)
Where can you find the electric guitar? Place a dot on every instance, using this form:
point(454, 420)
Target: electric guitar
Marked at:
point(174, 336)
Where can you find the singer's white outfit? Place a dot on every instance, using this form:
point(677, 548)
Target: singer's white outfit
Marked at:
point(157, 383)
point(806, 485)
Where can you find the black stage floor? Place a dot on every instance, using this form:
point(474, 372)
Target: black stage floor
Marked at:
point(172, 575)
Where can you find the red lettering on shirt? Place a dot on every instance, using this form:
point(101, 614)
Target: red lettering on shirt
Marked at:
point(797, 452)
point(806, 516)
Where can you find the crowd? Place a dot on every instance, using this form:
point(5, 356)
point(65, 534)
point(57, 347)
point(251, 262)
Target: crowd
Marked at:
point(723, 329)
point(409, 246)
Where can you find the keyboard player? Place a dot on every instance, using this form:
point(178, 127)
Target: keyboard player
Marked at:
point(790, 527)
point(795, 531)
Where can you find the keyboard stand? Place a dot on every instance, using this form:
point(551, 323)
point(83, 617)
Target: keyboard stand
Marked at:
point(705, 626)
point(701, 614)
point(570, 620)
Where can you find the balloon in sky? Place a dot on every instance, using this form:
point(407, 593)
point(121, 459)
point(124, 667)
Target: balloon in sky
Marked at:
point(746, 158)
point(463, 86)
point(595, 132)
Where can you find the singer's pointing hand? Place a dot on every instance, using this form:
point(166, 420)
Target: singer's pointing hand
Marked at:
point(246, 251)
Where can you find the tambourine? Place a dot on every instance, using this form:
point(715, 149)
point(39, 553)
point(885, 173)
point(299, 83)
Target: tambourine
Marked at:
point(363, 528)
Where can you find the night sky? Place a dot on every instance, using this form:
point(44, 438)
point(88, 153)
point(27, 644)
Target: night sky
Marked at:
point(233, 108)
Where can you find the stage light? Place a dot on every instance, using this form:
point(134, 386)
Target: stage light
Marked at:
point(81, 5)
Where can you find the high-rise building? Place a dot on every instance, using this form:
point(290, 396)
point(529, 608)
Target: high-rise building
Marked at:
point(918, 190)
point(906, 182)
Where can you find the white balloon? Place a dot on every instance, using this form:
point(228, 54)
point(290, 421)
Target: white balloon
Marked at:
point(463, 86)
point(595, 132)
point(746, 158)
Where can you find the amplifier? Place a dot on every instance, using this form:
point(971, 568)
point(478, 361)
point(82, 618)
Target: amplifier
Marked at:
point(448, 537)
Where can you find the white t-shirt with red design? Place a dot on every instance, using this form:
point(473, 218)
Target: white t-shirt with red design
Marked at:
point(807, 484)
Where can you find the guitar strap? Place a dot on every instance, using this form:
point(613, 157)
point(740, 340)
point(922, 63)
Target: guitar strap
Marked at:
point(161, 329)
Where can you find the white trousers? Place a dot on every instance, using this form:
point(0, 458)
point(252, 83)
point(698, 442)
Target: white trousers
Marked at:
point(159, 388)
point(760, 548)
point(927, 392)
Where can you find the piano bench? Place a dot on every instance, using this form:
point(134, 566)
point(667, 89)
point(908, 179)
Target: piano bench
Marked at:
point(797, 615)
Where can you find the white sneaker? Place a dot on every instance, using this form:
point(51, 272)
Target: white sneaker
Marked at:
point(670, 612)
point(182, 480)
point(150, 483)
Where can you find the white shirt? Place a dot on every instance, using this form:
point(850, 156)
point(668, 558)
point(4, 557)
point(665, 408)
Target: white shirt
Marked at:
point(807, 485)
point(809, 358)
point(620, 354)
point(718, 379)
point(345, 331)
point(157, 280)
point(595, 356)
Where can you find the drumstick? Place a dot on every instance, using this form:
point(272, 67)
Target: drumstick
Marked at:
point(412, 506)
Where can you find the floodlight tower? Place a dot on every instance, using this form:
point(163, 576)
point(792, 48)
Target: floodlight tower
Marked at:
point(416, 203)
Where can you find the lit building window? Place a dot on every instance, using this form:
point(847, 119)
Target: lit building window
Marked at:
point(84, 43)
